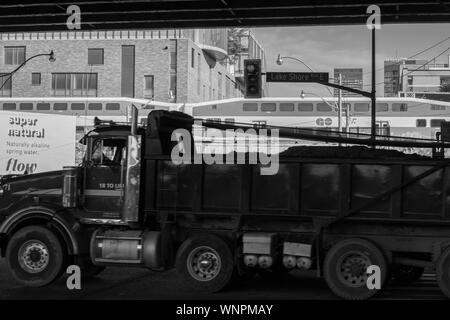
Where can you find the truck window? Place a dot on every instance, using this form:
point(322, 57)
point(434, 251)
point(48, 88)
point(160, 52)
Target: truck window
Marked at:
point(109, 152)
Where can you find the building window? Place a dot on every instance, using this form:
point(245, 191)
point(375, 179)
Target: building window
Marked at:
point(437, 107)
point(26, 106)
point(9, 106)
point(382, 107)
point(74, 84)
point(77, 106)
point(250, 107)
point(60, 106)
point(95, 106)
point(173, 71)
point(268, 107)
point(219, 86)
point(199, 73)
point(323, 107)
point(192, 58)
point(35, 79)
point(288, 107)
point(305, 107)
point(361, 107)
point(128, 71)
point(14, 55)
point(399, 107)
point(43, 106)
point(228, 88)
point(5, 84)
point(435, 123)
point(95, 56)
point(149, 87)
point(421, 123)
point(112, 106)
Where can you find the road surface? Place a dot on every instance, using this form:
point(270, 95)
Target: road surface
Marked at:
point(137, 284)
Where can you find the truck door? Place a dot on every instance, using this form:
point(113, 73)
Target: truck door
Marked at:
point(104, 177)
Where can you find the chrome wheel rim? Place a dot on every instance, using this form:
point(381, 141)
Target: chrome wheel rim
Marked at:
point(204, 263)
point(33, 256)
point(352, 269)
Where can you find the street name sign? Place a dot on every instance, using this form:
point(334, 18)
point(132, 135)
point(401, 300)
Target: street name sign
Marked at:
point(322, 77)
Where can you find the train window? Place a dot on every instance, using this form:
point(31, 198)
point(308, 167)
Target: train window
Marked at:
point(382, 107)
point(214, 107)
point(421, 123)
point(9, 106)
point(77, 106)
point(289, 107)
point(305, 107)
point(43, 106)
point(268, 107)
point(213, 120)
point(229, 120)
point(399, 107)
point(60, 106)
point(323, 107)
point(437, 107)
point(112, 106)
point(250, 107)
point(26, 106)
point(361, 107)
point(95, 106)
point(434, 123)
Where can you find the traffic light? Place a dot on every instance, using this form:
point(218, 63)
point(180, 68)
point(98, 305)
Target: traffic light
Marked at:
point(252, 78)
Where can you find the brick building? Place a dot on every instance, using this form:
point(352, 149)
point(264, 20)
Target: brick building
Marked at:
point(164, 65)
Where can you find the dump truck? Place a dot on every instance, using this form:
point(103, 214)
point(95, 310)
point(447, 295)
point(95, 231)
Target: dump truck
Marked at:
point(338, 210)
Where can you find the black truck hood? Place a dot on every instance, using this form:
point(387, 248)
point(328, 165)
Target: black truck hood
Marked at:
point(44, 183)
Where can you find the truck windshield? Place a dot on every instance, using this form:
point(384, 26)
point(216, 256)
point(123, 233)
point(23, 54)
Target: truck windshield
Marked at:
point(109, 151)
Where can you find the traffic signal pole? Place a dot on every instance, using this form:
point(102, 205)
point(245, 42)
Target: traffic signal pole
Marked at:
point(373, 93)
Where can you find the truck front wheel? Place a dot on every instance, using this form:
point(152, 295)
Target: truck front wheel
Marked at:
point(35, 256)
point(205, 263)
point(345, 268)
point(443, 272)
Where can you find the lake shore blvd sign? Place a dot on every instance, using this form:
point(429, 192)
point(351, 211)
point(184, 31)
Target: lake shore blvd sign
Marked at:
point(321, 77)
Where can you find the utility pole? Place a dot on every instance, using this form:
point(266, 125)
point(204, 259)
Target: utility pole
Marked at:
point(340, 104)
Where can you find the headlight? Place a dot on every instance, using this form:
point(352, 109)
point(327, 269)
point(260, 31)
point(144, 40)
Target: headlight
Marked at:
point(2, 192)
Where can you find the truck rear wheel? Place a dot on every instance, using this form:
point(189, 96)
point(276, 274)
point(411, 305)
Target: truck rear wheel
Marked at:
point(443, 272)
point(345, 268)
point(205, 263)
point(35, 256)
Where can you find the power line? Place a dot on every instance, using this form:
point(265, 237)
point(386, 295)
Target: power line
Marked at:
point(419, 68)
point(416, 54)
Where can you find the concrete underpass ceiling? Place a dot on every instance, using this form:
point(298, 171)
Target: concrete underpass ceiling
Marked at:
point(48, 15)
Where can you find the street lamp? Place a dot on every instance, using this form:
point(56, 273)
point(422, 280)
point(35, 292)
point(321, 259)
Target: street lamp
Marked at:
point(51, 58)
point(280, 61)
point(338, 105)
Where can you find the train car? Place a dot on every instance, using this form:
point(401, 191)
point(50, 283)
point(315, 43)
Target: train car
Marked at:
point(85, 108)
point(407, 117)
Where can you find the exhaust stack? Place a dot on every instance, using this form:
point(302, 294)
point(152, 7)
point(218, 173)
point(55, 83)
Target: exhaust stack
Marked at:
point(134, 120)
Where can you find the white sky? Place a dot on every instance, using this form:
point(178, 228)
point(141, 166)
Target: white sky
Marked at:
point(327, 47)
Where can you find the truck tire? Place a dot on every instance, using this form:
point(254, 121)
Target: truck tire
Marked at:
point(345, 268)
point(35, 256)
point(443, 272)
point(403, 275)
point(205, 263)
